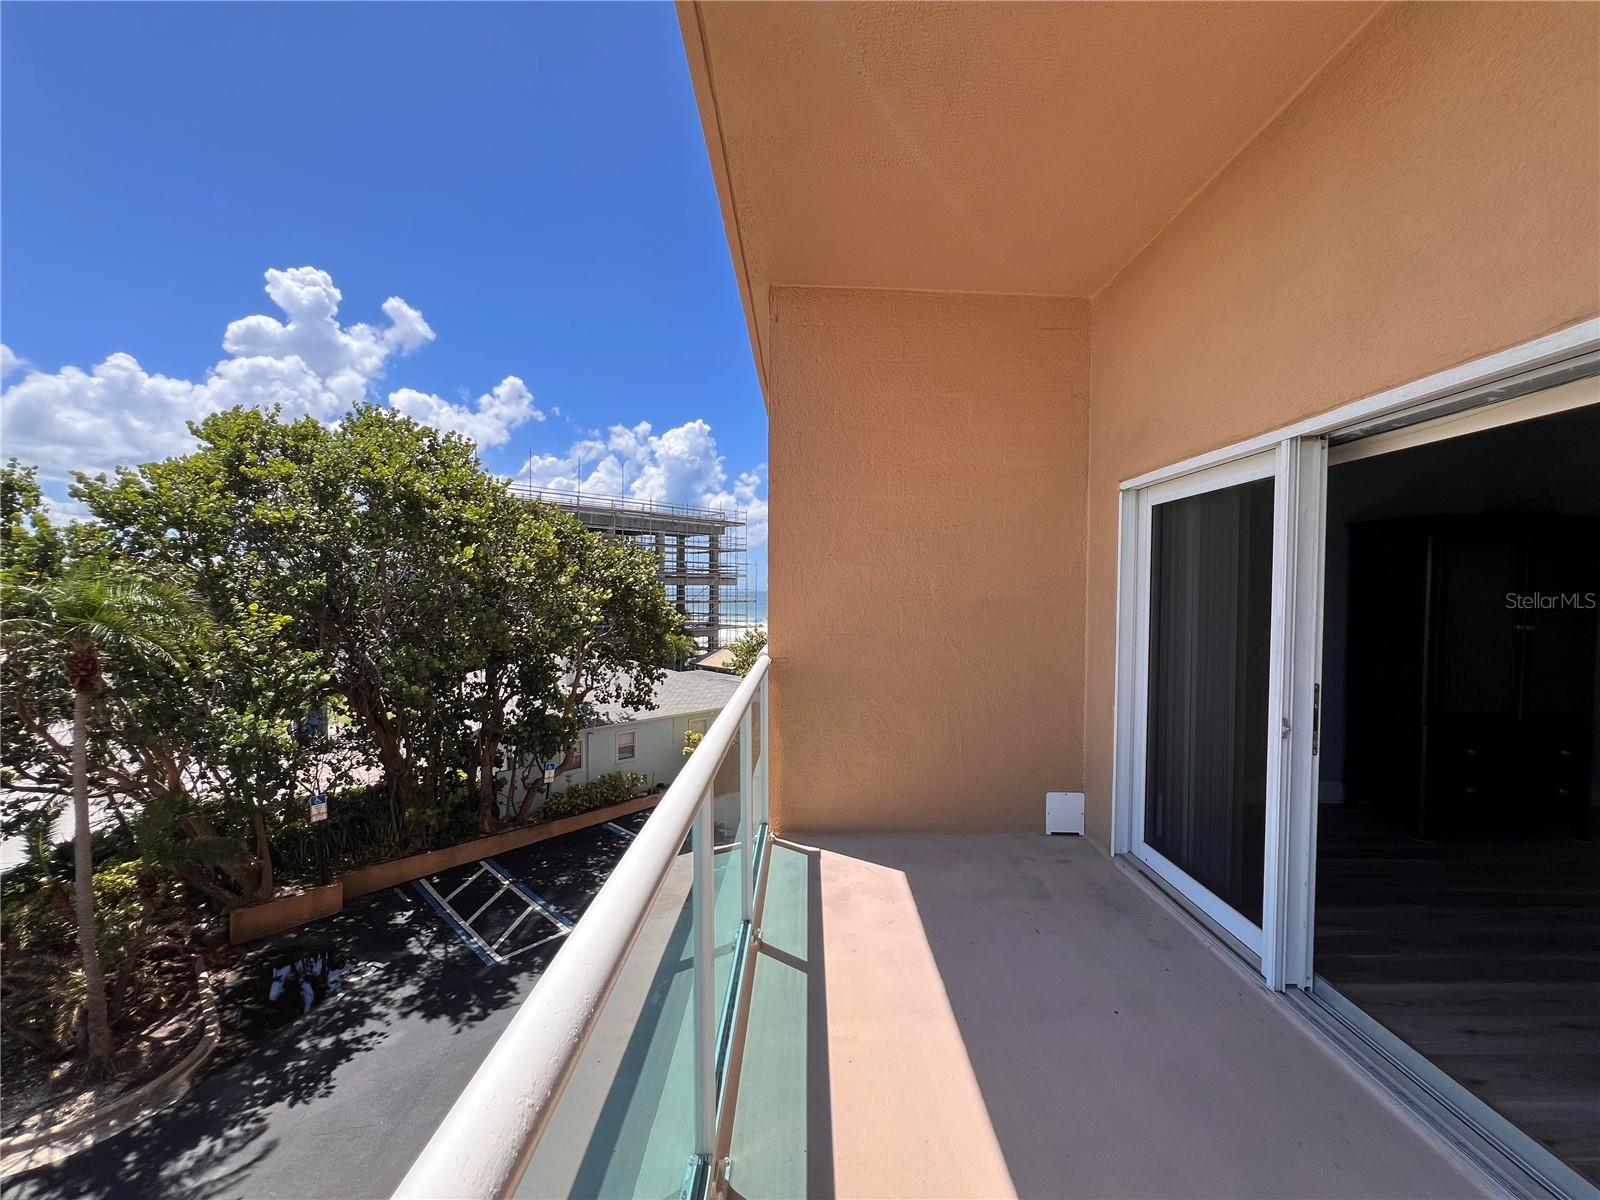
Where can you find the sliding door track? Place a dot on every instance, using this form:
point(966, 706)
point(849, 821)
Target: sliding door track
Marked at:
point(1515, 1163)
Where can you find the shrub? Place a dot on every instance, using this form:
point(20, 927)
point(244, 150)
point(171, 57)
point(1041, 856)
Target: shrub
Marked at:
point(607, 789)
point(43, 987)
point(361, 829)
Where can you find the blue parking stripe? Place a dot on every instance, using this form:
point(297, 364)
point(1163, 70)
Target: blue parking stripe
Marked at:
point(422, 890)
point(615, 828)
point(531, 896)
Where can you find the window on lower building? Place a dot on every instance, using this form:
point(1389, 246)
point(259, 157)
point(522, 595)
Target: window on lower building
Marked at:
point(698, 725)
point(625, 746)
point(575, 755)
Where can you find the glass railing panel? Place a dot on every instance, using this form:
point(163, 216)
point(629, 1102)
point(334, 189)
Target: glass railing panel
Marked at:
point(625, 1123)
point(782, 1106)
point(758, 759)
point(728, 869)
point(637, 1020)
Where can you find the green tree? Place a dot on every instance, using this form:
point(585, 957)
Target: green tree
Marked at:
point(351, 540)
point(449, 617)
point(92, 616)
point(609, 632)
point(30, 545)
point(170, 751)
point(747, 649)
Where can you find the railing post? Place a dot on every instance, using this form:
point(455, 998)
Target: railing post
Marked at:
point(766, 749)
point(705, 960)
point(746, 833)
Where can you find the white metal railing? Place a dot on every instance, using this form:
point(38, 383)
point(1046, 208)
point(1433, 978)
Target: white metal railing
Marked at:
point(599, 500)
point(485, 1143)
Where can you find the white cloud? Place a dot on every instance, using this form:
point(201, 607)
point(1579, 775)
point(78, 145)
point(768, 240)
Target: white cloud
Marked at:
point(746, 494)
point(9, 362)
point(119, 413)
point(489, 424)
point(680, 466)
point(92, 420)
point(313, 334)
point(63, 510)
point(307, 362)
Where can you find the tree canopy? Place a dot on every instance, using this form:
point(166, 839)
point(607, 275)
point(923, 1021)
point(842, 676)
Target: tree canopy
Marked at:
point(370, 572)
point(747, 649)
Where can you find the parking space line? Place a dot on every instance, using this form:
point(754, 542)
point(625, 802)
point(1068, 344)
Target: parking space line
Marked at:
point(554, 937)
point(531, 896)
point(521, 917)
point(500, 892)
point(615, 828)
point(468, 880)
point(453, 919)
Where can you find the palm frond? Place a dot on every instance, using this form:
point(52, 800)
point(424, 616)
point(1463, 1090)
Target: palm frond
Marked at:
point(109, 607)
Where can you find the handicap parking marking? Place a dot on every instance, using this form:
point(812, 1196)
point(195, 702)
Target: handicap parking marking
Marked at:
point(532, 897)
point(534, 945)
point(496, 912)
point(451, 894)
point(494, 889)
point(511, 928)
point(494, 896)
point(500, 948)
point(453, 919)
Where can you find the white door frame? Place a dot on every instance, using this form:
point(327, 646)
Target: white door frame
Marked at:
point(1298, 465)
point(1291, 877)
point(1226, 475)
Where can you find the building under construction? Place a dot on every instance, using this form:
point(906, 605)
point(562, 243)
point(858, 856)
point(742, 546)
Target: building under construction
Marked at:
point(702, 552)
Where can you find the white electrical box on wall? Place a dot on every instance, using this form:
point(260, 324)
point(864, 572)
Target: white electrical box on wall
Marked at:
point(1063, 812)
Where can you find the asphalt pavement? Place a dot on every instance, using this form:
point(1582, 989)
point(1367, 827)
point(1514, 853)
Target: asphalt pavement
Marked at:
point(339, 1103)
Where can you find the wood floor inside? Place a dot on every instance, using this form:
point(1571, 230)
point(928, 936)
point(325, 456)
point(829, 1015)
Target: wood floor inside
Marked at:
point(1481, 953)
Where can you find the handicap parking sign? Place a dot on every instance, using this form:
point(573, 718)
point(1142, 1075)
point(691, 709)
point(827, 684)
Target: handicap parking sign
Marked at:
point(319, 807)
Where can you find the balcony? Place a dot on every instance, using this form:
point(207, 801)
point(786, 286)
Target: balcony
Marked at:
point(1004, 1015)
point(921, 1015)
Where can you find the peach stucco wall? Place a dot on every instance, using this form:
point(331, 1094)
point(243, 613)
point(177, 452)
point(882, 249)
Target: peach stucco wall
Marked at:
point(1434, 196)
point(944, 471)
point(928, 467)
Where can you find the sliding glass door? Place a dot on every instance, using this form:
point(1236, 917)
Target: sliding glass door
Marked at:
point(1205, 788)
point(1206, 596)
point(1217, 734)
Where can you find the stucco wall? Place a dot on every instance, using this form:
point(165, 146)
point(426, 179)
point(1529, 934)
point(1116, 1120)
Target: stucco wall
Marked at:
point(928, 465)
point(1432, 197)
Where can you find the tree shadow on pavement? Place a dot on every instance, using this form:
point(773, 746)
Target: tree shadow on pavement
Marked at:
point(320, 1107)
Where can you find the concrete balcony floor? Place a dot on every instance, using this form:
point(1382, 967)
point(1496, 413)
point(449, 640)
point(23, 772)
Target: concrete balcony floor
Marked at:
point(994, 1016)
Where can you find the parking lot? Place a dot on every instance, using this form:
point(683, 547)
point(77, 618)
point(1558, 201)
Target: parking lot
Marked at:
point(339, 1103)
point(526, 899)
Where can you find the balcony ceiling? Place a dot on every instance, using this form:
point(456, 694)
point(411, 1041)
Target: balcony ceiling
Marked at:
point(1027, 148)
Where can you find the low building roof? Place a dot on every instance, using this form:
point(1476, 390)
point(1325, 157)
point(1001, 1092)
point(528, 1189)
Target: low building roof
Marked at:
point(677, 693)
point(717, 660)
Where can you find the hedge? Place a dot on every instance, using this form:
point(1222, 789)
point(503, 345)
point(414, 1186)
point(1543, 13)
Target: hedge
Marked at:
point(581, 797)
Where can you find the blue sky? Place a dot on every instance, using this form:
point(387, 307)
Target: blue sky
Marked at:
point(528, 181)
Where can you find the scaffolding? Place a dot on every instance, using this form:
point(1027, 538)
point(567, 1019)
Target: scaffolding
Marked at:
point(703, 554)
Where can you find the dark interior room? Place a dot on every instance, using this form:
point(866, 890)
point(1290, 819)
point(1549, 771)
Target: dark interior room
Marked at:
point(1458, 871)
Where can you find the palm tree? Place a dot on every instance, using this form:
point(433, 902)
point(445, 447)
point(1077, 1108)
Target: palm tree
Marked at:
point(92, 616)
